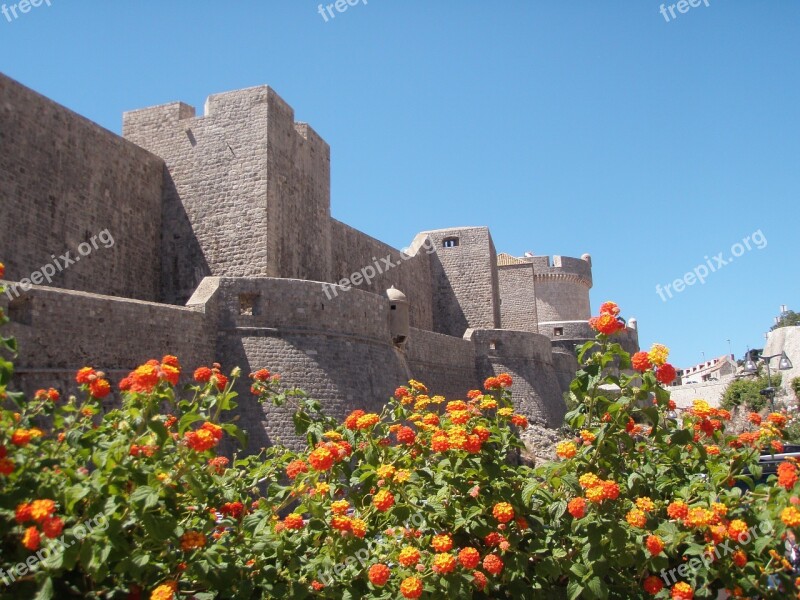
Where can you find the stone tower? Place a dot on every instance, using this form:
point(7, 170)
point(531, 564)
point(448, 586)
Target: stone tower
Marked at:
point(246, 190)
point(464, 280)
point(562, 291)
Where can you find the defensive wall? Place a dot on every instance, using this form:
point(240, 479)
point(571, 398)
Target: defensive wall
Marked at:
point(224, 250)
point(60, 331)
point(342, 353)
point(63, 180)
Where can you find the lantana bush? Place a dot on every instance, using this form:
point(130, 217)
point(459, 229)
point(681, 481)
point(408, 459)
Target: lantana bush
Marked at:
point(427, 499)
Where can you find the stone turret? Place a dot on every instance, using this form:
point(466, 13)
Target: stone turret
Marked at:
point(398, 316)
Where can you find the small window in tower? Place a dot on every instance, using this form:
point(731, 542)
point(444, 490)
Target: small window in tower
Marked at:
point(248, 304)
point(558, 331)
point(450, 242)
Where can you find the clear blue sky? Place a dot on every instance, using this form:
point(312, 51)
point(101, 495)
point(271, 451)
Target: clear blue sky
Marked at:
point(566, 127)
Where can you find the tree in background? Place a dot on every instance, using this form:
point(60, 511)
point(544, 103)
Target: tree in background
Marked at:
point(787, 319)
point(747, 393)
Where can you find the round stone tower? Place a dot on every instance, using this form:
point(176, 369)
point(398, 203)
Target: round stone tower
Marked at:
point(562, 289)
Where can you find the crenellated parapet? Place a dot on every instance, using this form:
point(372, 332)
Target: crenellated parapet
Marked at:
point(563, 269)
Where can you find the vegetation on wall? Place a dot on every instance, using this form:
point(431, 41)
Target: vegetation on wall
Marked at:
point(787, 319)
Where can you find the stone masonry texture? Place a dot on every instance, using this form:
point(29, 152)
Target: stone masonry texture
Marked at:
point(63, 180)
point(225, 251)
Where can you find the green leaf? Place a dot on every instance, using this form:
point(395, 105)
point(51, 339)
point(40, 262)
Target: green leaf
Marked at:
point(528, 491)
point(146, 496)
point(596, 589)
point(158, 427)
point(574, 590)
point(161, 527)
point(187, 420)
point(45, 591)
point(237, 433)
point(301, 422)
point(76, 493)
point(681, 437)
point(579, 570)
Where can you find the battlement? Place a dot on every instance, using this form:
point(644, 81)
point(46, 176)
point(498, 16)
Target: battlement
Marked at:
point(171, 112)
point(563, 268)
point(267, 306)
point(223, 104)
point(227, 103)
point(226, 106)
point(507, 344)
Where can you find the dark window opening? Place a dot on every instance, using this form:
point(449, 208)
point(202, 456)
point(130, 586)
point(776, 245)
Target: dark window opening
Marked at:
point(248, 305)
point(558, 331)
point(450, 242)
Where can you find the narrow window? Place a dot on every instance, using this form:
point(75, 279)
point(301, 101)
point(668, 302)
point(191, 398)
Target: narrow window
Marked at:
point(248, 304)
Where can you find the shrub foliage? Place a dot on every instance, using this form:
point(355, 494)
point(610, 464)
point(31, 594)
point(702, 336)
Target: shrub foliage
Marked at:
point(424, 500)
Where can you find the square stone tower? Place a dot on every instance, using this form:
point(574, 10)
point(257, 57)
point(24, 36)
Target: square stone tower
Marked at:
point(246, 190)
point(465, 281)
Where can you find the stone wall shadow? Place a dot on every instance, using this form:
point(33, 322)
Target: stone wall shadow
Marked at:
point(183, 263)
point(448, 317)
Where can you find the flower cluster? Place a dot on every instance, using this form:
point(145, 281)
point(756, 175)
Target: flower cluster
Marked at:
point(42, 513)
point(146, 377)
point(655, 360)
point(212, 376)
point(204, 438)
point(608, 321)
point(94, 381)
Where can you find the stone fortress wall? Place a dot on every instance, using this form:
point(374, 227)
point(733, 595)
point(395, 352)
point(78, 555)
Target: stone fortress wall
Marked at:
point(64, 179)
point(226, 251)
